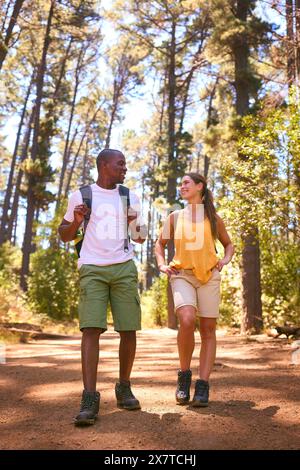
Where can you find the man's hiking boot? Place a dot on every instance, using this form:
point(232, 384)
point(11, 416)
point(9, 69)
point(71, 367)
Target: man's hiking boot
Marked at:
point(89, 409)
point(183, 386)
point(201, 393)
point(125, 397)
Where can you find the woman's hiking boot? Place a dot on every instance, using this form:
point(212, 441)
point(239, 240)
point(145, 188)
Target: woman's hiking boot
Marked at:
point(183, 386)
point(125, 397)
point(201, 394)
point(89, 409)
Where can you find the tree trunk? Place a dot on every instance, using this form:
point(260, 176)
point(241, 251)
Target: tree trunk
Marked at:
point(66, 154)
point(252, 306)
point(7, 199)
point(5, 17)
point(88, 125)
point(209, 122)
point(298, 40)
point(4, 50)
point(291, 58)
point(171, 183)
point(116, 96)
point(14, 210)
point(85, 173)
point(27, 243)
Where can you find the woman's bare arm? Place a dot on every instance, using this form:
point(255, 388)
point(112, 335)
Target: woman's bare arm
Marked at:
point(224, 238)
point(166, 234)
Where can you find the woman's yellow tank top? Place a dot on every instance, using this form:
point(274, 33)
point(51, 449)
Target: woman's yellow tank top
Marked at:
point(194, 244)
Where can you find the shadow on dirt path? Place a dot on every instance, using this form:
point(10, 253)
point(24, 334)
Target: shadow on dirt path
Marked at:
point(255, 397)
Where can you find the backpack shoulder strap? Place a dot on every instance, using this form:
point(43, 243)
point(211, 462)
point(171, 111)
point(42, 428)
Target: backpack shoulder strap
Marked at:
point(86, 193)
point(125, 197)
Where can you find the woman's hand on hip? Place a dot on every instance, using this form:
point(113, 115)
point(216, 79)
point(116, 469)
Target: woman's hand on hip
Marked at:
point(221, 263)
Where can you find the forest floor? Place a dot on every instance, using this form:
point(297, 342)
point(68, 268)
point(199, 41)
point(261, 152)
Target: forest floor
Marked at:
point(254, 401)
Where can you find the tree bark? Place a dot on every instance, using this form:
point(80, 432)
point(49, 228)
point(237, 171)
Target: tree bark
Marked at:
point(291, 57)
point(252, 306)
point(298, 40)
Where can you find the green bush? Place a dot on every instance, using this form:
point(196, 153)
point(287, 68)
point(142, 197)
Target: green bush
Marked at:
point(10, 261)
point(13, 307)
point(53, 283)
point(280, 276)
point(230, 307)
point(155, 303)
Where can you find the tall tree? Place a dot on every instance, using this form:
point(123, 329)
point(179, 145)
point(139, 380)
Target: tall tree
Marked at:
point(8, 193)
point(4, 43)
point(32, 170)
point(238, 32)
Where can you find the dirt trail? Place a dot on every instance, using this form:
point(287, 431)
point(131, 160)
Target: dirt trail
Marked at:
point(255, 395)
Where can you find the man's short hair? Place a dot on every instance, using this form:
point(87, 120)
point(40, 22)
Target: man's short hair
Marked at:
point(106, 154)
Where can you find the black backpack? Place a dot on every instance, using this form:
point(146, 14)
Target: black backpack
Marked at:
point(86, 193)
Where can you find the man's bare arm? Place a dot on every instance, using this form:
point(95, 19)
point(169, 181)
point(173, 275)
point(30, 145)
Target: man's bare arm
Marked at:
point(67, 230)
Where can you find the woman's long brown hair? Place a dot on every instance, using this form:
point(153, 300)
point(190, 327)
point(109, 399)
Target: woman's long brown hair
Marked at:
point(207, 198)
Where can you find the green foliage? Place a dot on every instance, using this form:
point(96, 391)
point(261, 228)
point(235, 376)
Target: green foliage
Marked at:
point(10, 261)
point(260, 179)
point(280, 283)
point(12, 301)
point(231, 299)
point(155, 302)
point(53, 284)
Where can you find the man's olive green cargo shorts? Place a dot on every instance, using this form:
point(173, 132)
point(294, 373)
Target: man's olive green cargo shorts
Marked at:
point(116, 283)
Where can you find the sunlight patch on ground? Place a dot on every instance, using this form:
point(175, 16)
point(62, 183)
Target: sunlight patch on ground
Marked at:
point(53, 391)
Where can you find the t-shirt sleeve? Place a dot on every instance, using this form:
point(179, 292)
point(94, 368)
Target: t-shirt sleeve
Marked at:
point(135, 205)
point(74, 200)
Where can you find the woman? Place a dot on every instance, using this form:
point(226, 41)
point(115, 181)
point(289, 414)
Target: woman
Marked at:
point(194, 275)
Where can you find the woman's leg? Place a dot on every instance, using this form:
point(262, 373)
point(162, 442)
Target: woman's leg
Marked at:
point(186, 335)
point(186, 344)
point(208, 347)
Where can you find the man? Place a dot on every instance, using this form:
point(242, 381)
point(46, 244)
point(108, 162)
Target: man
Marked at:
point(107, 273)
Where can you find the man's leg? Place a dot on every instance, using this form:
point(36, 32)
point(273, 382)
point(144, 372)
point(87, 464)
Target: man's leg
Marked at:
point(126, 312)
point(90, 401)
point(126, 354)
point(125, 397)
point(94, 295)
point(90, 357)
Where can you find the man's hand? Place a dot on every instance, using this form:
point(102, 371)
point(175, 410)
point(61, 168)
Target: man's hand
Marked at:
point(132, 215)
point(79, 213)
point(164, 268)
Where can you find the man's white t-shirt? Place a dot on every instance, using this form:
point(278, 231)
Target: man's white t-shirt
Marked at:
point(103, 242)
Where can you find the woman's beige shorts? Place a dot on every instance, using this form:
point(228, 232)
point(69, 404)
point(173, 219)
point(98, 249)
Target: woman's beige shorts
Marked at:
point(187, 290)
